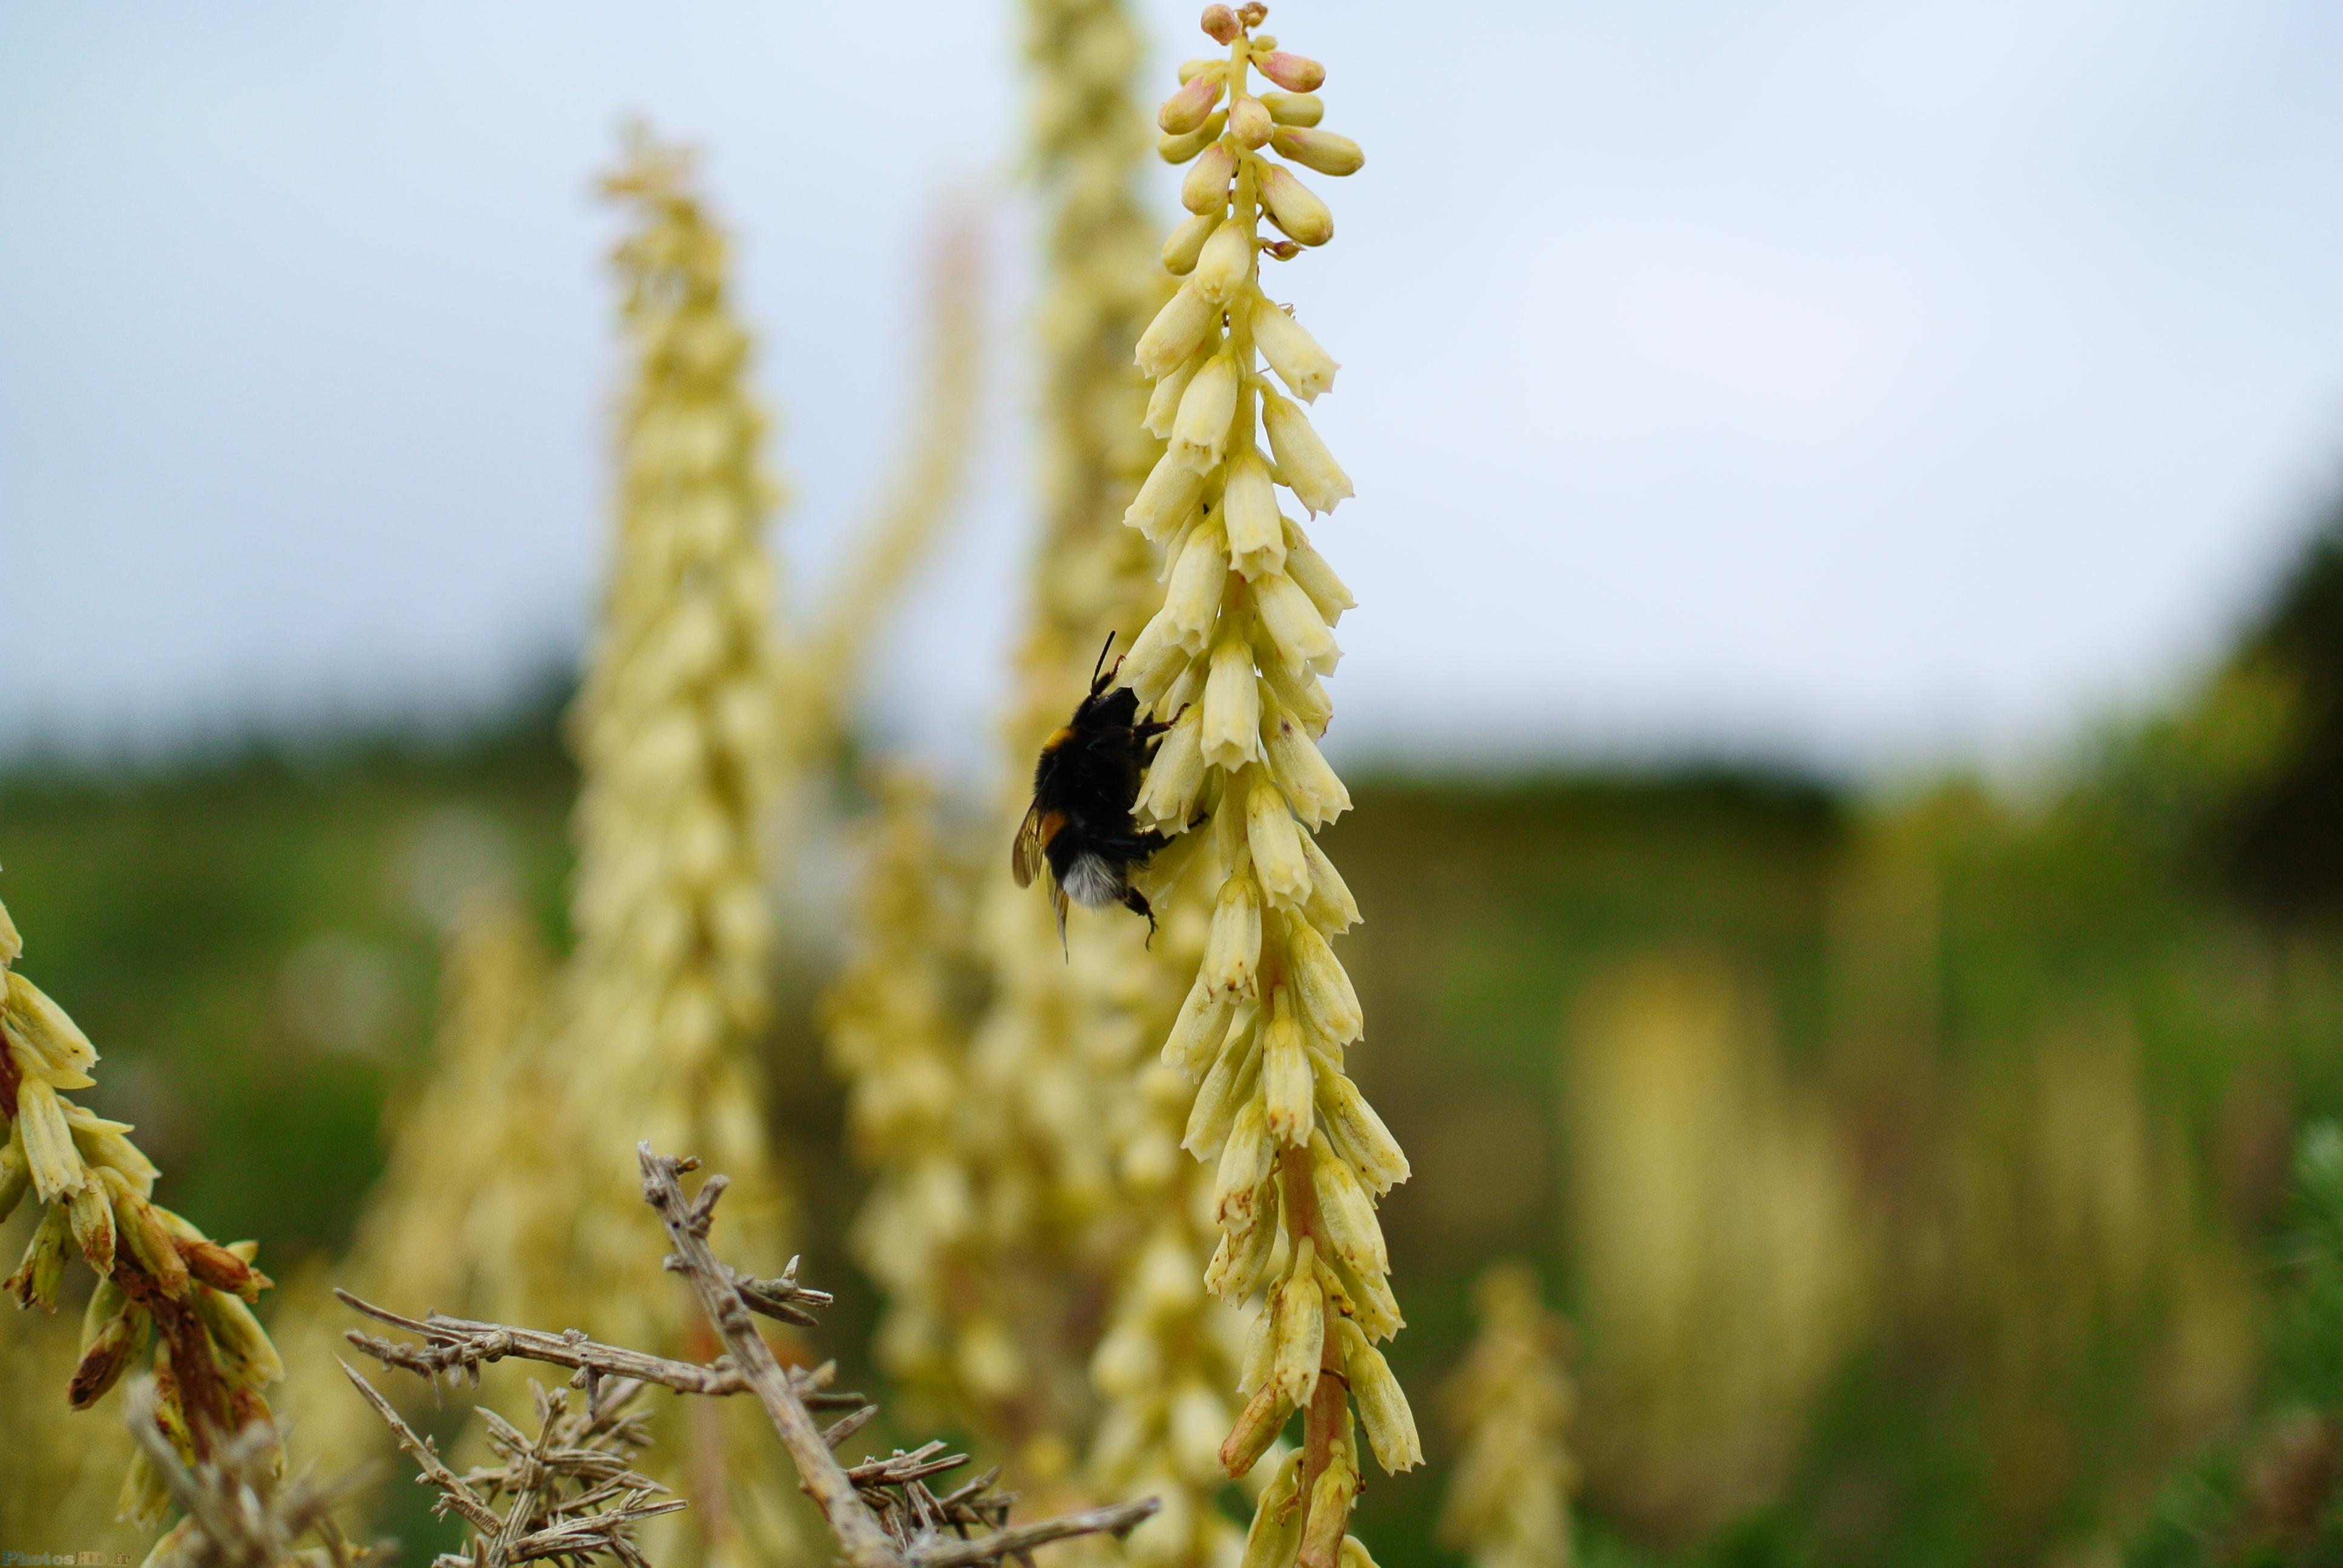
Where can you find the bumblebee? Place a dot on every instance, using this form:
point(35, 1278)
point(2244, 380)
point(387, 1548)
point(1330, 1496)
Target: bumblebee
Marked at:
point(1084, 784)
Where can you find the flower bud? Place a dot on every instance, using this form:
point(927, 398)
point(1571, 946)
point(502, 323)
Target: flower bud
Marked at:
point(1349, 1215)
point(1163, 402)
point(1284, 249)
point(221, 1268)
point(1185, 110)
point(1292, 206)
point(50, 1153)
point(1249, 123)
point(1304, 367)
point(106, 1353)
point(1294, 73)
point(1231, 705)
point(1230, 1083)
point(1165, 499)
point(1273, 838)
point(1311, 788)
point(1257, 1426)
point(1326, 992)
point(1179, 329)
point(1259, 1360)
point(1199, 432)
point(1306, 566)
point(15, 1176)
point(1298, 1331)
point(1287, 1090)
point(1382, 1406)
point(1180, 149)
point(145, 1498)
point(1322, 150)
point(1155, 661)
point(1220, 23)
point(1185, 243)
point(1242, 1258)
point(1300, 638)
point(42, 1269)
point(1205, 189)
point(1295, 108)
point(1248, 505)
point(92, 1218)
point(43, 1029)
point(1358, 1134)
point(1177, 774)
point(1276, 1533)
point(142, 1230)
point(1301, 693)
point(1245, 1161)
point(1331, 1497)
point(1367, 1297)
point(1225, 265)
point(1199, 574)
point(1232, 948)
point(1191, 69)
point(237, 1340)
point(1308, 470)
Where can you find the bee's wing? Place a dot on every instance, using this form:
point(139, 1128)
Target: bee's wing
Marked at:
point(1025, 854)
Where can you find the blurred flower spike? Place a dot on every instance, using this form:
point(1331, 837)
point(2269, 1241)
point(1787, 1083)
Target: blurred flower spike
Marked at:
point(167, 1295)
point(1234, 659)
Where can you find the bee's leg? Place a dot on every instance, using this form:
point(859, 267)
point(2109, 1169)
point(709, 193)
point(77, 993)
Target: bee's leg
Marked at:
point(1136, 902)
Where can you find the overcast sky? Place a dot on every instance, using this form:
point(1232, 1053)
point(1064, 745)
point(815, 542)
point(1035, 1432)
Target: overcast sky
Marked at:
point(1849, 382)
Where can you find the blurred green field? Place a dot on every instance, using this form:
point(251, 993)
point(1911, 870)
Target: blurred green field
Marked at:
point(1910, 1166)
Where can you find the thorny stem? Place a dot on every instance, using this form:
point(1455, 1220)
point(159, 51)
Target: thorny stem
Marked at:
point(860, 1541)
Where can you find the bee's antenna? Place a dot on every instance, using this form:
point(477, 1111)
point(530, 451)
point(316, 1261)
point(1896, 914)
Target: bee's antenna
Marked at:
point(1100, 665)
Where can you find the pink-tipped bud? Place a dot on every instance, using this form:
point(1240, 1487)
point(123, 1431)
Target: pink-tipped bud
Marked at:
point(1293, 205)
point(1180, 149)
point(1253, 14)
point(1294, 73)
point(1220, 25)
point(1250, 119)
point(1206, 188)
point(1184, 110)
point(1295, 108)
point(1322, 150)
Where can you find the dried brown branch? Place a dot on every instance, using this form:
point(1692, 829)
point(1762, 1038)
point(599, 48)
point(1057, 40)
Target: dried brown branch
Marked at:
point(881, 1512)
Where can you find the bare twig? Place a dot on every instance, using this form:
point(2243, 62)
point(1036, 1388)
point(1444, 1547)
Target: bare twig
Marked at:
point(1018, 1539)
point(881, 1512)
point(860, 1540)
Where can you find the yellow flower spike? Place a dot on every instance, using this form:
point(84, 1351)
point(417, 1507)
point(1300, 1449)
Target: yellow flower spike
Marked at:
point(1253, 658)
point(1509, 1407)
